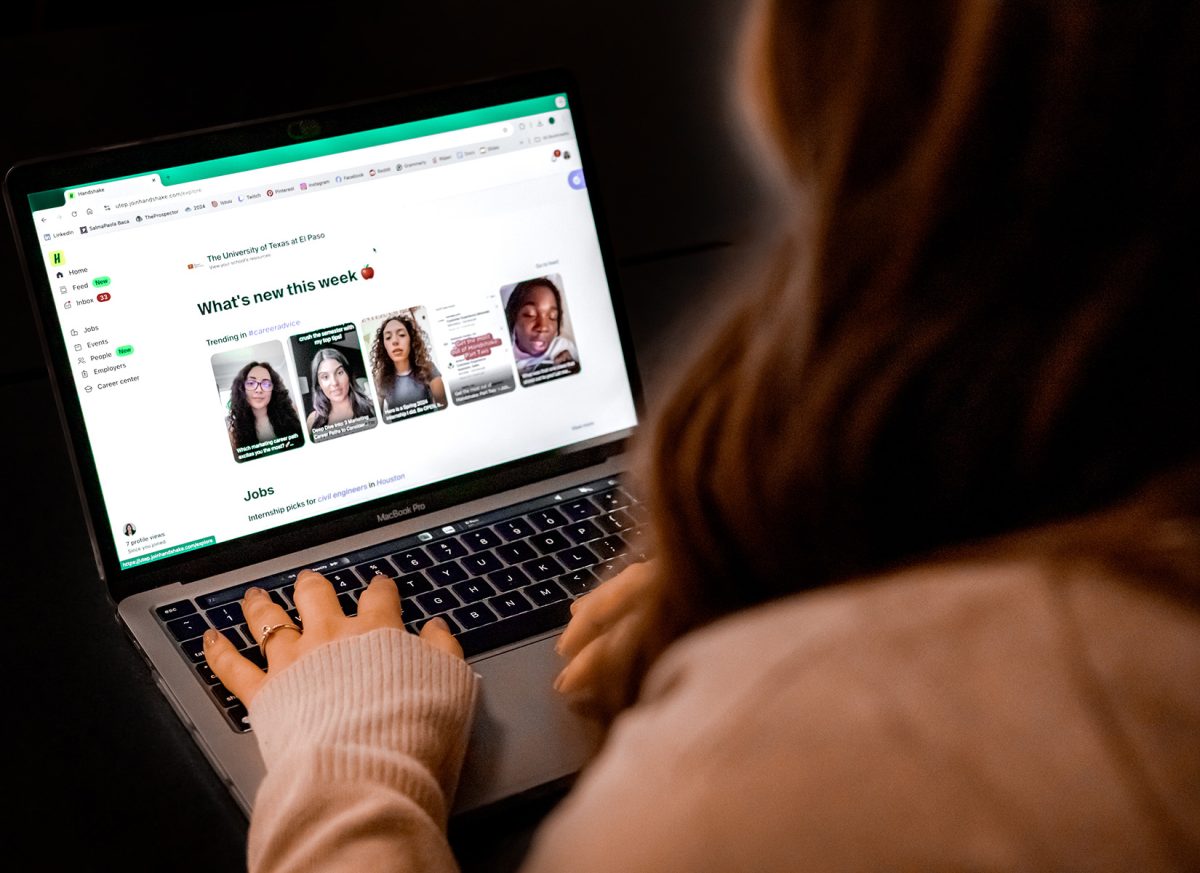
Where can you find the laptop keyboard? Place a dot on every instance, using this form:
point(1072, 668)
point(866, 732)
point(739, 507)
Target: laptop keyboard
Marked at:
point(495, 579)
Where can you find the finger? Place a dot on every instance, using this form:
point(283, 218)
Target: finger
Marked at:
point(237, 673)
point(317, 603)
point(261, 613)
point(601, 662)
point(379, 605)
point(437, 633)
point(608, 603)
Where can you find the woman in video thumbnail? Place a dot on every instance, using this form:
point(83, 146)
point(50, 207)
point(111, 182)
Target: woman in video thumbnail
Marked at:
point(533, 312)
point(400, 363)
point(335, 397)
point(260, 407)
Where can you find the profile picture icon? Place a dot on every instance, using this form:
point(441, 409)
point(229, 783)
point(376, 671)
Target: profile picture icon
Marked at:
point(130, 530)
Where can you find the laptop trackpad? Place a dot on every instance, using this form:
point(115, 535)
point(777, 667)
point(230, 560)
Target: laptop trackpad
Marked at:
point(524, 734)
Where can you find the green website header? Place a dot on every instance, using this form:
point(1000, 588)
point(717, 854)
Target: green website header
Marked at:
point(186, 173)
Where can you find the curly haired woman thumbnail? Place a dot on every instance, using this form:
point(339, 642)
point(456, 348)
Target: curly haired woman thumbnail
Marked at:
point(260, 407)
point(402, 367)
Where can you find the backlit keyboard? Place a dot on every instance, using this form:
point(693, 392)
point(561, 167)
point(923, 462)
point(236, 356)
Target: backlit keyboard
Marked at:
point(495, 579)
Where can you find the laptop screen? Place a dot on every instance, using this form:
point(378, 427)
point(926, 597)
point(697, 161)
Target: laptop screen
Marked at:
point(268, 337)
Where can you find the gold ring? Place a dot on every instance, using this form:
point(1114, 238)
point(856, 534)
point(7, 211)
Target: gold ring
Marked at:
point(270, 629)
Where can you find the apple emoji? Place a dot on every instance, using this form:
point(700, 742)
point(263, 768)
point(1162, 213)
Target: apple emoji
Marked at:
point(368, 272)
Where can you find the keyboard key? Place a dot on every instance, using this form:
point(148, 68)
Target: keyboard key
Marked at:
point(582, 532)
point(611, 567)
point(176, 610)
point(434, 602)
point(638, 542)
point(474, 616)
point(187, 627)
point(610, 500)
point(345, 582)
point(615, 522)
point(413, 583)
point(507, 580)
point(289, 592)
point(207, 676)
point(639, 512)
point(515, 629)
point(294, 615)
point(235, 636)
point(444, 550)
point(447, 573)
point(348, 603)
point(576, 557)
point(479, 540)
point(413, 559)
point(544, 593)
point(256, 656)
point(609, 547)
point(578, 510)
point(579, 582)
point(224, 696)
point(508, 605)
point(469, 592)
point(515, 553)
point(542, 568)
point(514, 529)
point(226, 616)
point(410, 609)
point(277, 596)
point(194, 649)
point(546, 519)
point(482, 562)
point(239, 718)
point(371, 569)
point(550, 541)
point(415, 626)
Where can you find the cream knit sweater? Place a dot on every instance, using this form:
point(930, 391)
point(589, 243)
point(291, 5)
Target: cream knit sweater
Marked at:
point(1006, 716)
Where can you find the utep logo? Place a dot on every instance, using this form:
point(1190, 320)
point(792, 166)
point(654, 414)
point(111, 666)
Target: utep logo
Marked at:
point(57, 259)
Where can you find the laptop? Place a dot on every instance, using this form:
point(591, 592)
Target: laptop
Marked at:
point(382, 337)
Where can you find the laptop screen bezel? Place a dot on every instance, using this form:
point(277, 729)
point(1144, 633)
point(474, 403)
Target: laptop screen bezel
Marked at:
point(147, 156)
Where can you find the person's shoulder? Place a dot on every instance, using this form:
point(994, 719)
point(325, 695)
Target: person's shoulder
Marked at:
point(916, 601)
point(869, 721)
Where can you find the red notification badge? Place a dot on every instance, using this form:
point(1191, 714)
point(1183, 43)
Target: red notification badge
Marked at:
point(103, 297)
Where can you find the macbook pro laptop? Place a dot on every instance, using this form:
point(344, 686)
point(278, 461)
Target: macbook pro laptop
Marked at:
point(383, 337)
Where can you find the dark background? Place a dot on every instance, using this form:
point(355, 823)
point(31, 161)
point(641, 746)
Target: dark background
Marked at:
point(95, 758)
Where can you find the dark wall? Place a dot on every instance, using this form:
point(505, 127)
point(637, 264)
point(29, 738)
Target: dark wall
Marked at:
point(98, 750)
point(81, 76)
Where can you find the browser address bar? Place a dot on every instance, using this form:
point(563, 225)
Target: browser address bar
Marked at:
point(383, 153)
point(448, 140)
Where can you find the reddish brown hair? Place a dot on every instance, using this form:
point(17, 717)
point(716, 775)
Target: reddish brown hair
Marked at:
point(986, 317)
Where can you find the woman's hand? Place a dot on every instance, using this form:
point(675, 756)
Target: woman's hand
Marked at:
point(323, 620)
point(603, 639)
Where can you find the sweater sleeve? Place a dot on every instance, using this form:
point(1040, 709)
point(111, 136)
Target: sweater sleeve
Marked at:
point(363, 741)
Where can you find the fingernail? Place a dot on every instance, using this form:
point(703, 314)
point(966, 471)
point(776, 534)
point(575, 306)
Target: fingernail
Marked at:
point(438, 621)
point(210, 637)
point(558, 680)
point(254, 592)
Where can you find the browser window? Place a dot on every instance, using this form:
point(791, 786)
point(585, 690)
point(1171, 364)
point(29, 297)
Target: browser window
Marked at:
point(269, 337)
